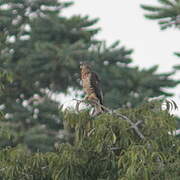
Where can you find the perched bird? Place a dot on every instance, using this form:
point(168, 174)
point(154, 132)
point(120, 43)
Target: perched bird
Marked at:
point(92, 87)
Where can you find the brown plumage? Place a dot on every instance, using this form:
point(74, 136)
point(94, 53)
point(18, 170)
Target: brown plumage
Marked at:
point(91, 86)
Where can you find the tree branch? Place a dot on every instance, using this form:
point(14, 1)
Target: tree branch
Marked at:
point(133, 125)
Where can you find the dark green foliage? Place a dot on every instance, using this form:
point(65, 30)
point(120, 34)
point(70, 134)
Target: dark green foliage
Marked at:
point(177, 67)
point(104, 148)
point(178, 123)
point(135, 87)
point(122, 84)
point(167, 13)
point(38, 46)
point(41, 49)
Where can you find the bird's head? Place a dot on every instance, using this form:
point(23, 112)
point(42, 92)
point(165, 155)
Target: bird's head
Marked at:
point(85, 67)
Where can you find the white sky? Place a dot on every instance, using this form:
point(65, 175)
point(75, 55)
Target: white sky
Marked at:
point(124, 21)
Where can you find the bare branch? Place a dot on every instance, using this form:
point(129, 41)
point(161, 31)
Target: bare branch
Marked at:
point(115, 148)
point(90, 132)
point(78, 104)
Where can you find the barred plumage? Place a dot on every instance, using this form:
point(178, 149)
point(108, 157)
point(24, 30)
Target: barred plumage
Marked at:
point(91, 86)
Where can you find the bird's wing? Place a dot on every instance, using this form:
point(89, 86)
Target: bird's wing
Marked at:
point(95, 84)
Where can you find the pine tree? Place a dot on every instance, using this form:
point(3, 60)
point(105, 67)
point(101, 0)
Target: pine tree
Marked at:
point(127, 86)
point(32, 116)
point(168, 16)
point(40, 48)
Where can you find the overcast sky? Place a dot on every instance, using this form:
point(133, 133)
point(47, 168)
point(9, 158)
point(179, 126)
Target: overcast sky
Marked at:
point(124, 21)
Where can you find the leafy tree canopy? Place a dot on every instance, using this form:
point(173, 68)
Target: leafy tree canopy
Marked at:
point(104, 147)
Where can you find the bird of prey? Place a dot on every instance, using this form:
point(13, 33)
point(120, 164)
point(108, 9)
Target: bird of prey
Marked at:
point(92, 87)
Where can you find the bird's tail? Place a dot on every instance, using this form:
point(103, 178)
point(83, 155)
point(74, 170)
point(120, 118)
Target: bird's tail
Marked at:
point(103, 108)
point(100, 108)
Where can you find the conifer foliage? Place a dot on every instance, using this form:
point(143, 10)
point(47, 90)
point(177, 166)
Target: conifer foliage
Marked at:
point(167, 12)
point(40, 48)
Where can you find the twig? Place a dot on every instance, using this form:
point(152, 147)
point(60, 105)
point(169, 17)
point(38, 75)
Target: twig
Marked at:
point(78, 103)
point(90, 132)
point(133, 125)
point(115, 148)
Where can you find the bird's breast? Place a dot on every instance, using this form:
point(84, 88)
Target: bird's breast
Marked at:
point(87, 83)
point(84, 76)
